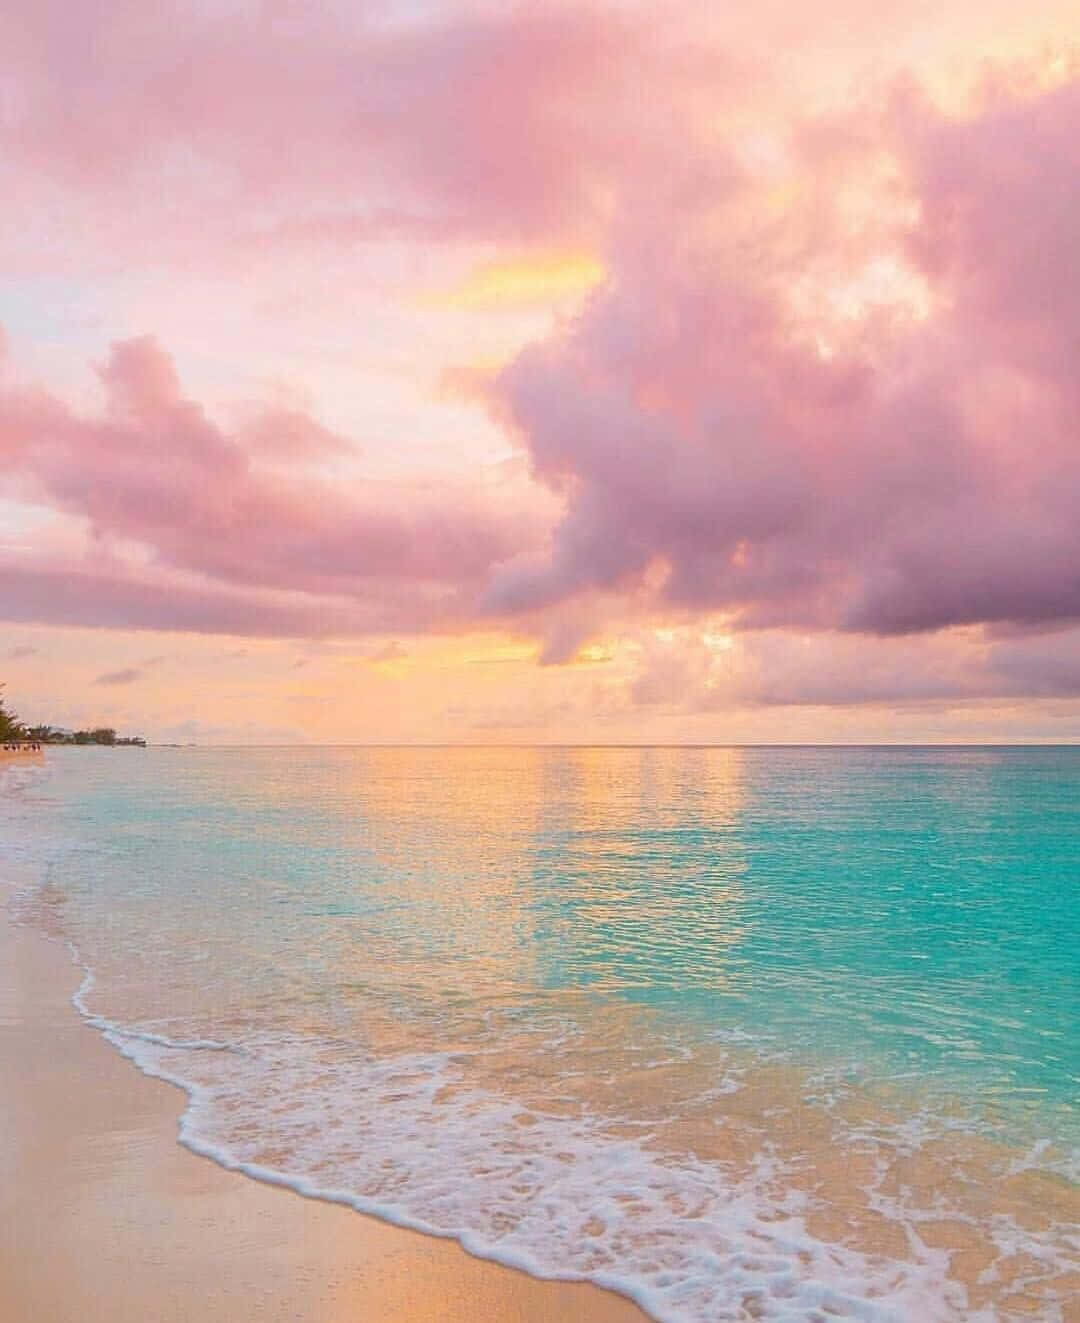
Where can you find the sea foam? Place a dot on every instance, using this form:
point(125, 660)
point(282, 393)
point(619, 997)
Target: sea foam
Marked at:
point(409, 1140)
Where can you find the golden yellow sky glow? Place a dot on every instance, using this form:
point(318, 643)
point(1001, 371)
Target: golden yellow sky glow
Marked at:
point(526, 279)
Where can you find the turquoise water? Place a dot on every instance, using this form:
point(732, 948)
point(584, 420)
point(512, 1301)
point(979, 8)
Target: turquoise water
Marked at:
point(714, 966)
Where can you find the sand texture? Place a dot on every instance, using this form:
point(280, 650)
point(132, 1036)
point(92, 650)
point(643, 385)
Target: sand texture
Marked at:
point(104, 1216)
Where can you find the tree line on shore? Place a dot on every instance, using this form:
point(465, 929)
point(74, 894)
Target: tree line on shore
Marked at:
point(12, 730)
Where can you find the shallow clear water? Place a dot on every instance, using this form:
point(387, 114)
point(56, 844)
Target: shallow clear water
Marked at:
point(746, 1033)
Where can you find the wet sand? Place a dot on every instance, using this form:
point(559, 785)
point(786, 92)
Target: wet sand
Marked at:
point(104, 1215)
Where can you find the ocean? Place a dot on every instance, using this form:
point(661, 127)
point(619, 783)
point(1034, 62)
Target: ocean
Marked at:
point(743, 1033)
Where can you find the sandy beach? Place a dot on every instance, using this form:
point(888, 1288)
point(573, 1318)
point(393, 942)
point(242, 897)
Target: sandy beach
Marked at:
point(104, 1215)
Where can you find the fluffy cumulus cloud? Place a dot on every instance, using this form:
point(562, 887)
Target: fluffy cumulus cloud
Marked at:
point(888, 471)
point(821, 394)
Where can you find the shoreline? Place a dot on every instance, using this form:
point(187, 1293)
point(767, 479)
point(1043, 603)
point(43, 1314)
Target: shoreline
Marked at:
point(113, 1217)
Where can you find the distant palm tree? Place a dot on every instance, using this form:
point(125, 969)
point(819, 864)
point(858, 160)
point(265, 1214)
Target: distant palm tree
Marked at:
point(10, 726)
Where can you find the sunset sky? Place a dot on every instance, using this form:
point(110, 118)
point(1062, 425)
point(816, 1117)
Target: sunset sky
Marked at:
point(557, 372)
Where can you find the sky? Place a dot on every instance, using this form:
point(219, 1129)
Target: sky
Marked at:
point(556, 372)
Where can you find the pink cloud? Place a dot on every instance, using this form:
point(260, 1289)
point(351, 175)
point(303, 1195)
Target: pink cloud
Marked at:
point(69, 592)
point(786, 668)
point(1000, 194)
point(922, 474)
point(155, 471)
point(328, 124)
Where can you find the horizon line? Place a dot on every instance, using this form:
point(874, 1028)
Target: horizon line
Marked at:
point(652, 744)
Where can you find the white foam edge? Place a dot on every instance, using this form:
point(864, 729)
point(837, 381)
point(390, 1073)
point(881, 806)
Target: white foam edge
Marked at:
point(127, 1043)
point(817, 1300)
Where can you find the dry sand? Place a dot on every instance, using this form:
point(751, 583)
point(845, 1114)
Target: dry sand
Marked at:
point(103, 1216)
